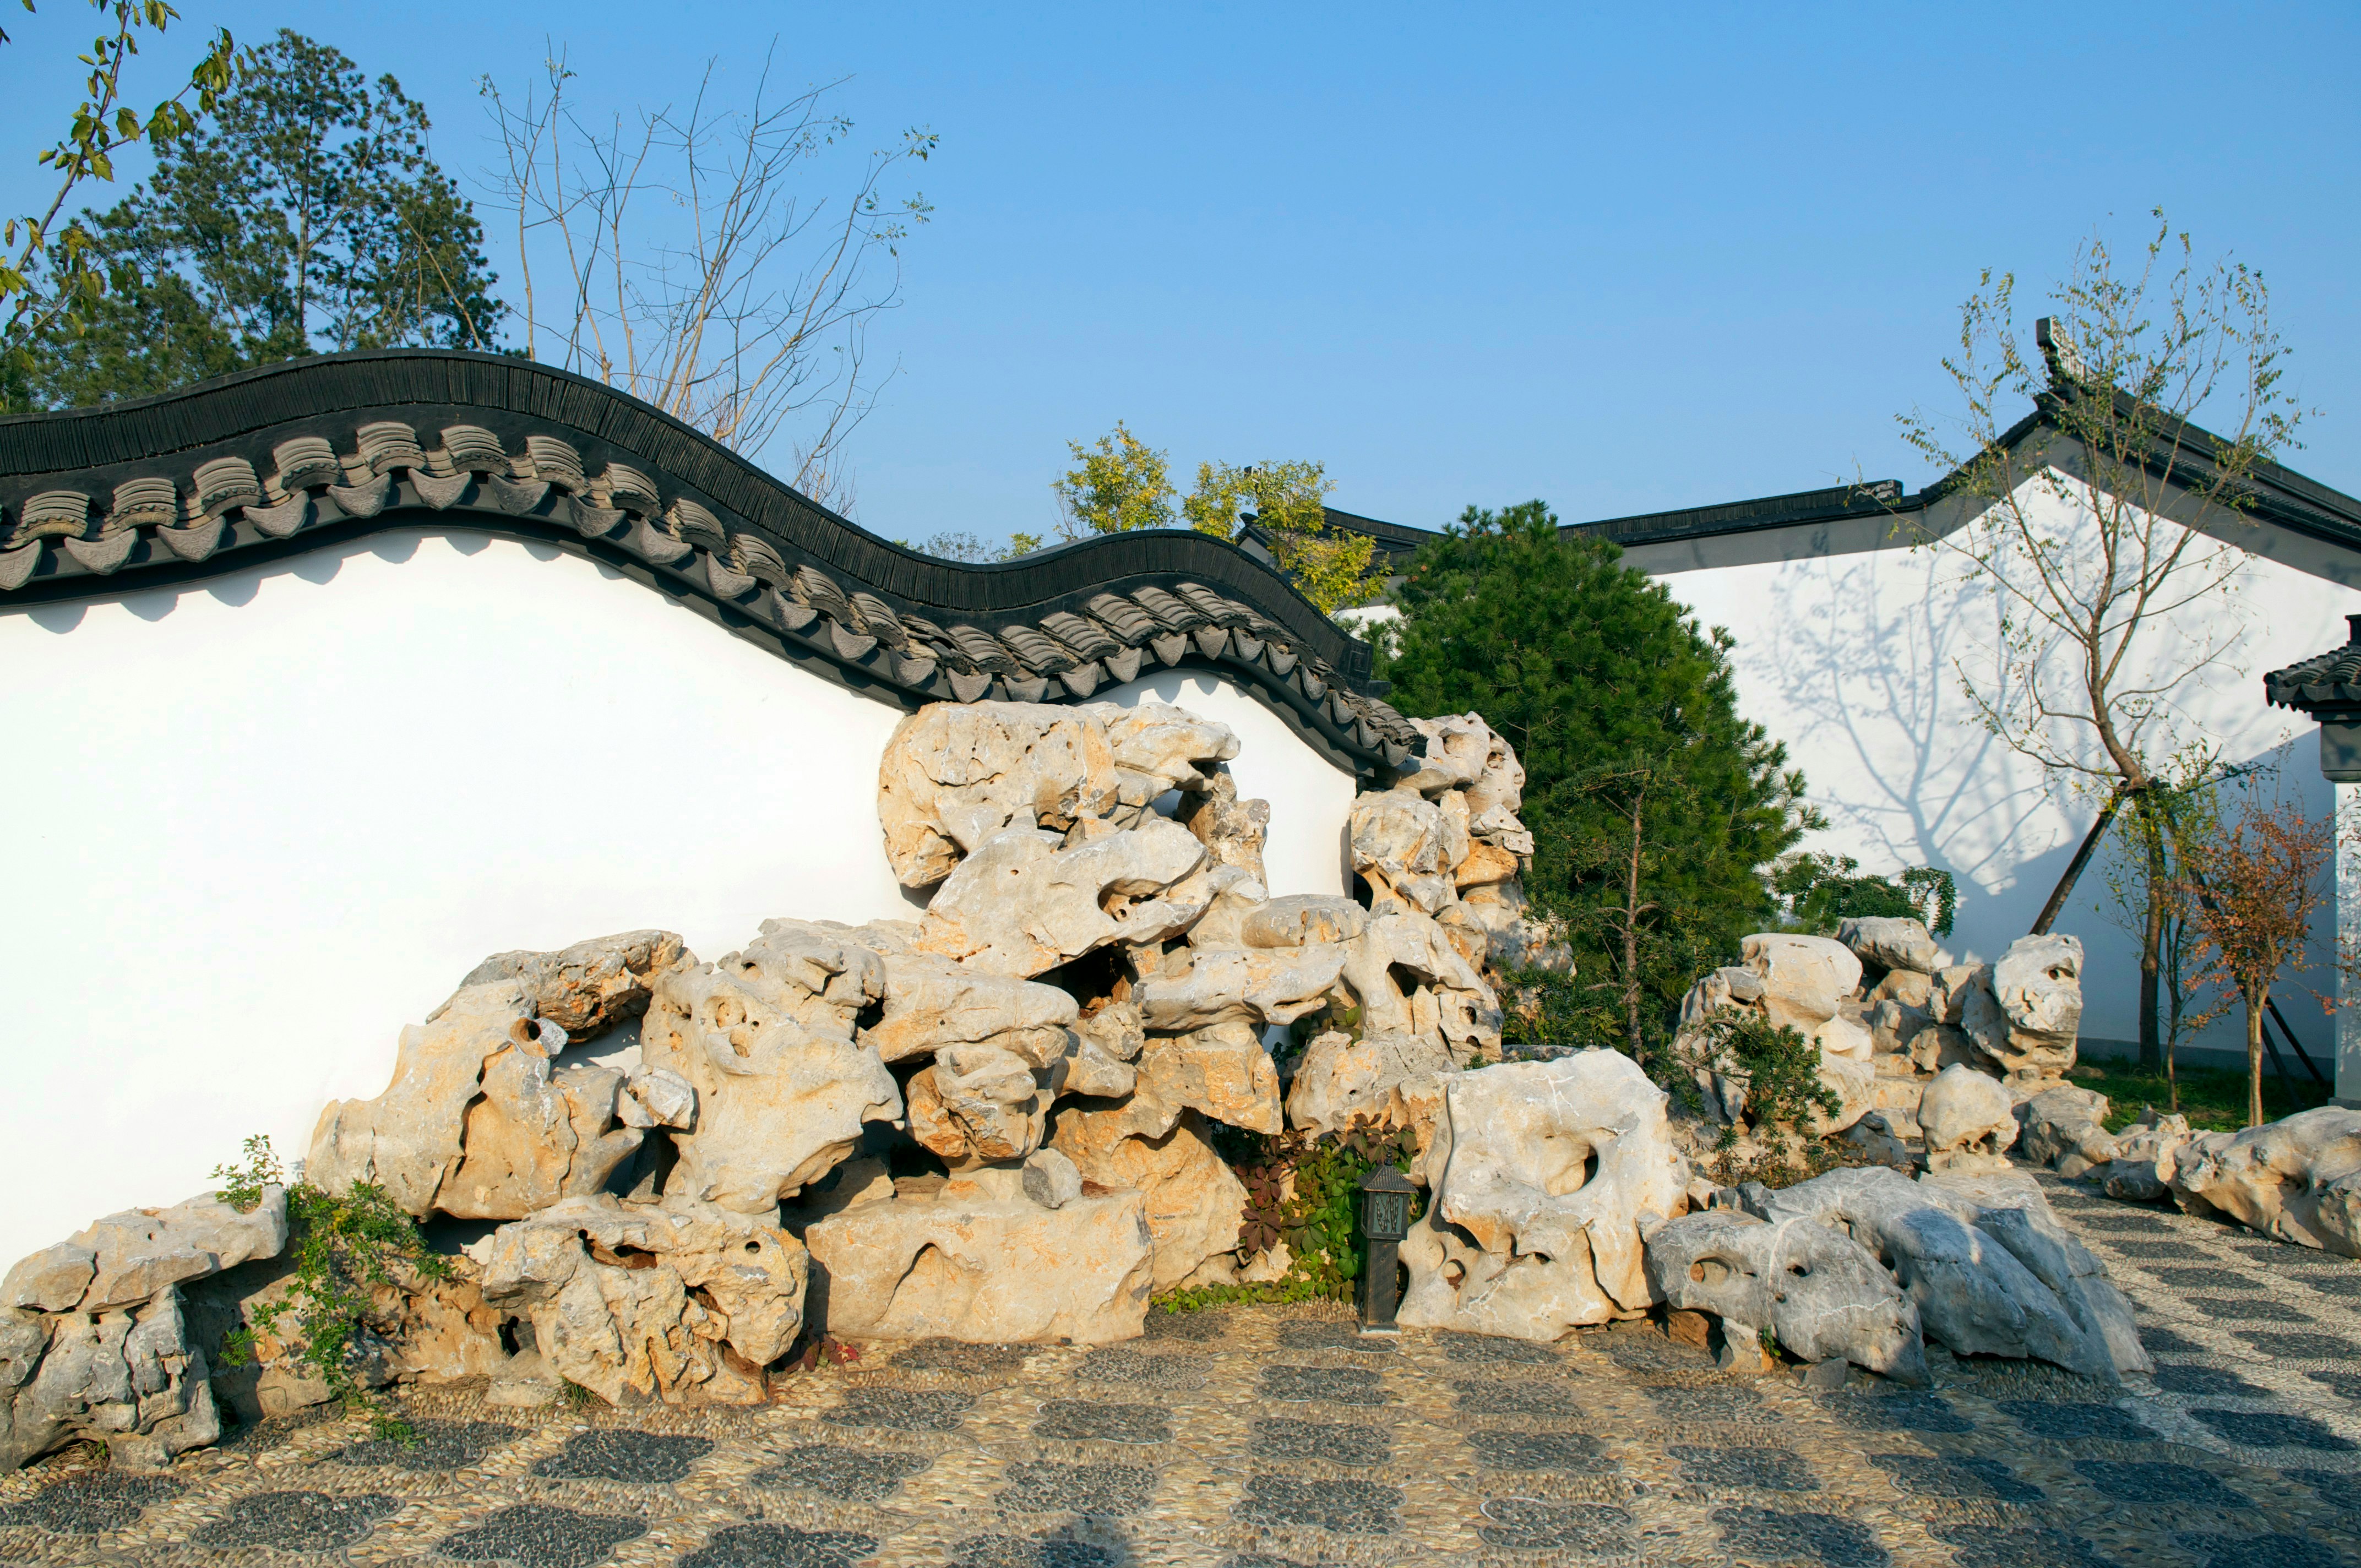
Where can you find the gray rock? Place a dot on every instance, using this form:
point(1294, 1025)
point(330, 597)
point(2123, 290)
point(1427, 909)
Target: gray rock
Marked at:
point(1050, 1178)
point(50, 1281)
point(1892, 943)
point(2061, 1127)
point(589, 987)
point(128, 1377)
point(1967, 1119)
point(141, 1251)
point(1823, 1295)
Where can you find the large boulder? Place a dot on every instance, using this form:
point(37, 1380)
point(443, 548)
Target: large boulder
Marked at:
point(129, 1258)
point(1396, 840)
point(1448, 1000)
point(131, 1377)
point(1805, 979)
point(608, 1286)
point(1822, 1293)
point(1222, 1070)
point(765, 1037)
point(932, 1001)
point(2297, 1179)
point(981, 1261)
point(979, 1104)
point(1891, 943)
point(590, 987)
point(1988, 1267)
point(1341, 1080)
point(2025, 1014)
point(955, 775)
point(478, 1122)
point(1158, 748)
point(2064, 1127)
point(1967, 1119)
point(1023, 905)
point(1239, 985)
point(1192, 1201)
point(1544, 1176)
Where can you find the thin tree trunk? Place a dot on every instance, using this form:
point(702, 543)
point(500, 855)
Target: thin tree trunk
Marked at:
point(1631, 936)
point(2151, 1035)
point(2254, 1063)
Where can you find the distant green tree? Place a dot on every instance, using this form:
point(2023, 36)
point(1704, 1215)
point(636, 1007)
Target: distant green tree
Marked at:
point(1603, 682)
point(305, 216)
point(1824, 890)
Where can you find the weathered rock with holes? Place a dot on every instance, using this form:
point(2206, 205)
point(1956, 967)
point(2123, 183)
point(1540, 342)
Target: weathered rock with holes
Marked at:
point(2024, 1012)
point(1968, 1121)
point(2147, 1156)
point(1158, 748)
point(129, 1258)
point(683, 1303)
point(932, 1002)
point(1447, 1001)
point(1341, 1080)
point(955, 775)
point(1222, 1070)
point(1822, 1293)
point(1988, 1267)
point(1192, 1200)
point(590, 987)
point(1396, 840)
point(1234, 831)
point(2061, 1127)
point(2296, 1180)
point(981, 1261)
point(765, 1037)
point(1892, 944)
point(1022, 904)
point(1239, 985)
point(129, 1377)
point(979, 1102)
point(1545, 1176)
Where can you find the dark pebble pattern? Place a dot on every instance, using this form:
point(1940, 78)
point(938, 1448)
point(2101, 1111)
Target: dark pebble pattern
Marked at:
point(1765, 1469)
point(2264, 1429)
point(622, 1454)
point(1590, 1530)
point(1086, 1420)
point(1729, 1404)
point(2260, 1551)
point(1965, 1477)
point(534, 1535)
point(853, 1474)
point(2076, 1422)
point(295, 1521)
point(1527, 1397)
point(1045, 1487)
point(1768, 1535)
point(1490, 1349)
point(1334, 1442)
point(1177, 1374)
point(432, 1445)
point(780, 1546)
point(901, 1409)
point(1335, 1384)
point(1572, 1452)
point(1321, 1333)
point(2246, 1310)
point(2145, 1481)
point(2145, 1250)
point(1908, 1411)
point(956, 1355)
point(1345, 1507)
point(2304, 1348)
point(1017, 1552)
point(1986, 1546)
point(90, 1504)
point(2175, 1378)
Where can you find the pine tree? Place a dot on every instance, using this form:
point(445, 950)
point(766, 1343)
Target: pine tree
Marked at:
point(1598, 677)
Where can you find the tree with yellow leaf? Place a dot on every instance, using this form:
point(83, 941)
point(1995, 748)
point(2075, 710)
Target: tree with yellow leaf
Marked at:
point(1288, 501)
point(1116, 485)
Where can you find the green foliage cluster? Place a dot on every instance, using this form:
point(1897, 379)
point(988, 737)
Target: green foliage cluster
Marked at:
point(1823, 891)
point(307, 214)
point(1319, 1219)
point(1780, 1072)
point(343, 1243)
point(1620, 705)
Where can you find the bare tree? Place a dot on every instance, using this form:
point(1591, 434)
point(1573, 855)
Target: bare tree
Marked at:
point(2095, 532)
point(693, 269)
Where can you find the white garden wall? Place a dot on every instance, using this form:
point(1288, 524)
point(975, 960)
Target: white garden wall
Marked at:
point(264, 822)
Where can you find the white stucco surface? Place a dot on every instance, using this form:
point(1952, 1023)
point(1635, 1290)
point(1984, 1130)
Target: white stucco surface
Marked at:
point(267, 821)
point(1854, 661)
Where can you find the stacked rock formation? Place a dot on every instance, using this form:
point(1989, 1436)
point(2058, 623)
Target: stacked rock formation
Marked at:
point(1926, 1057)
point(994, 1122)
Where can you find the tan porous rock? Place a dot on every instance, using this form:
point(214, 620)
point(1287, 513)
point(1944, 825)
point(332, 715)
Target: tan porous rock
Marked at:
point(932, 1001)
point(979, 1102)
point(1804, 978)
point(1234, 831)
point(140, 1252)
point(955, 775)
point(1192, 1201)
point(2147, 1156)
point(1239, 985)
point(1303, 920)
point(1222, 1070)
point(1157, 749)
point(1555, 1240)
point(1450, 1000)
point(765, 1036)
point(537, 1135)
point(981, 1261)
point(1892, 943)
point(1341, 1080)
point(608, 1288)
point(1396, 840)
point(590, 987)
point(2296, 1180)
point(130, 1377)
point(1968, 1121)
point(1021, 906)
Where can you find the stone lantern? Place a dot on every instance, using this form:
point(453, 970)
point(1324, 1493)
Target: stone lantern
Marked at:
point(1385, 1220)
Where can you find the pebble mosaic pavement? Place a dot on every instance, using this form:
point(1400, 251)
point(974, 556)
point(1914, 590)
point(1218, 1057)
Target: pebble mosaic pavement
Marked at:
point(1276, 1438)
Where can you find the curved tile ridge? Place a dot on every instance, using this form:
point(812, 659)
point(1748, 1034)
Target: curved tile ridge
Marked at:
point(252, 468)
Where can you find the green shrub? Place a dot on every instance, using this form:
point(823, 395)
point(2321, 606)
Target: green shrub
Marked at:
point(1319, 1220)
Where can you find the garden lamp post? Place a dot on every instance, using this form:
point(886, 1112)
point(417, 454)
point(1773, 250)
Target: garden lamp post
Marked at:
point(1385, 1220)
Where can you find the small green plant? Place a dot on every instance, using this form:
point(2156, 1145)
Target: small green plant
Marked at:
point(1780, 1071)
point(342, 1244)
point(577, 1397)
point(1305, 1192)
point(1823, 891)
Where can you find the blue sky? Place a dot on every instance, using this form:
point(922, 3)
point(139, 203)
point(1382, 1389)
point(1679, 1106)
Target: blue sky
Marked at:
point(1616, 260)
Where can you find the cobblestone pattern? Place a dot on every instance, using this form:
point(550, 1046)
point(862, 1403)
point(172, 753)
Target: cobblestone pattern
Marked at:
point(1271, 1438)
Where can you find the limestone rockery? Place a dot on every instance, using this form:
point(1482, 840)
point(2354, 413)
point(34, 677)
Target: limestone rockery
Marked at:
point(654, 1175)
